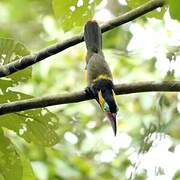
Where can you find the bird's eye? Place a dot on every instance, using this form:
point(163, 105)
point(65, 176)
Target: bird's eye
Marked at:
point(102, 90)
point(106, 107)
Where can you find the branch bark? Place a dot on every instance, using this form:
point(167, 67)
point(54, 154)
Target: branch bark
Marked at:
point(171, 86)
point(54, 49)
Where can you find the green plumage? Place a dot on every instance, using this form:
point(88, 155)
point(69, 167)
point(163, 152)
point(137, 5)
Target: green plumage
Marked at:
point(98, 72)
point(95, 62)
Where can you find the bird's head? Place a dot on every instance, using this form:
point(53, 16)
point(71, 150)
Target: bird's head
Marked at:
point(106, 99)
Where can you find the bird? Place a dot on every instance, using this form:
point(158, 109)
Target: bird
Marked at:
point(98, 73)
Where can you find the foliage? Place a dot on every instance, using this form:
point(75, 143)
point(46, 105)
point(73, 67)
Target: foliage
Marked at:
point(72, 141)
point(33, 125)
point(174, 10)
point(73, 13)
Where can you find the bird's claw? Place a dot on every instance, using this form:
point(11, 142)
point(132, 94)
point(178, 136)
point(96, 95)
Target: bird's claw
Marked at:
point(90, 91)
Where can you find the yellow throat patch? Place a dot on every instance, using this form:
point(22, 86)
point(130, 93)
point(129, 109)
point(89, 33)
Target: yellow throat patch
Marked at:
point(101, 100)
point(103, 76)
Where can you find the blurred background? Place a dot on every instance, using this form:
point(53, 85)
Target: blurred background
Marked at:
point(147, 145)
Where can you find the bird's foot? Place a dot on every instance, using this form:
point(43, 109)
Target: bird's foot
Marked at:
point(90, 91)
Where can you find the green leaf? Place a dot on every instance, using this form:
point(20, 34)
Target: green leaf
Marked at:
point(11, 50)
point(157, 13)
point(10, 96)
point(174, 9)
point(10, 162)
point(33, 126)
point(71, 13)
point(16, 166)
point(5, 83)
point(28, 173)
point(37, 125)
point(40, 123)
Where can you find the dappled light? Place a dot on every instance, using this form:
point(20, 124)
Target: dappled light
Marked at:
point(58, 131)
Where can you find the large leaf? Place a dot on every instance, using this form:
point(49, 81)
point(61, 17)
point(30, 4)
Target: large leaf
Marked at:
point(11, 50)
point(4, 84)
point(28, 173)
point(174, 9)
point(13, 163)
point(10, 161)
point(73, 13)
point(33, 125)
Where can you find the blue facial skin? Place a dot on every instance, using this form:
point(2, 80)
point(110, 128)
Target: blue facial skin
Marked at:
point(106, 107)
point(106, 88)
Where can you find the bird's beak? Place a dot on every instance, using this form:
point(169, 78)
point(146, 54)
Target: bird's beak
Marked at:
point(112, 118)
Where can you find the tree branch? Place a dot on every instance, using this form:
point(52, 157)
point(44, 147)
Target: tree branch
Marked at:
point(54, 49)
point(173, 86)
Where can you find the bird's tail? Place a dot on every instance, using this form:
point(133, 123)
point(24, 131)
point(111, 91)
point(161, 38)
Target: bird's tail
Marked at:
point(93, 37)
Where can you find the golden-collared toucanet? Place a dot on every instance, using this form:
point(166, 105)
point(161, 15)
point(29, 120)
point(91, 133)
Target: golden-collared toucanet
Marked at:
point(99, 76)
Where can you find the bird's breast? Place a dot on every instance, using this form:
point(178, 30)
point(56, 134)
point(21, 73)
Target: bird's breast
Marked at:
point(96, 67)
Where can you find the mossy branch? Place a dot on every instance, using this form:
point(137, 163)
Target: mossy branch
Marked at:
point(39, 102)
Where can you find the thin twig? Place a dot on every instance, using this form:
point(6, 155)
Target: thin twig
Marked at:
point(54, 49)
point(171, 86)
